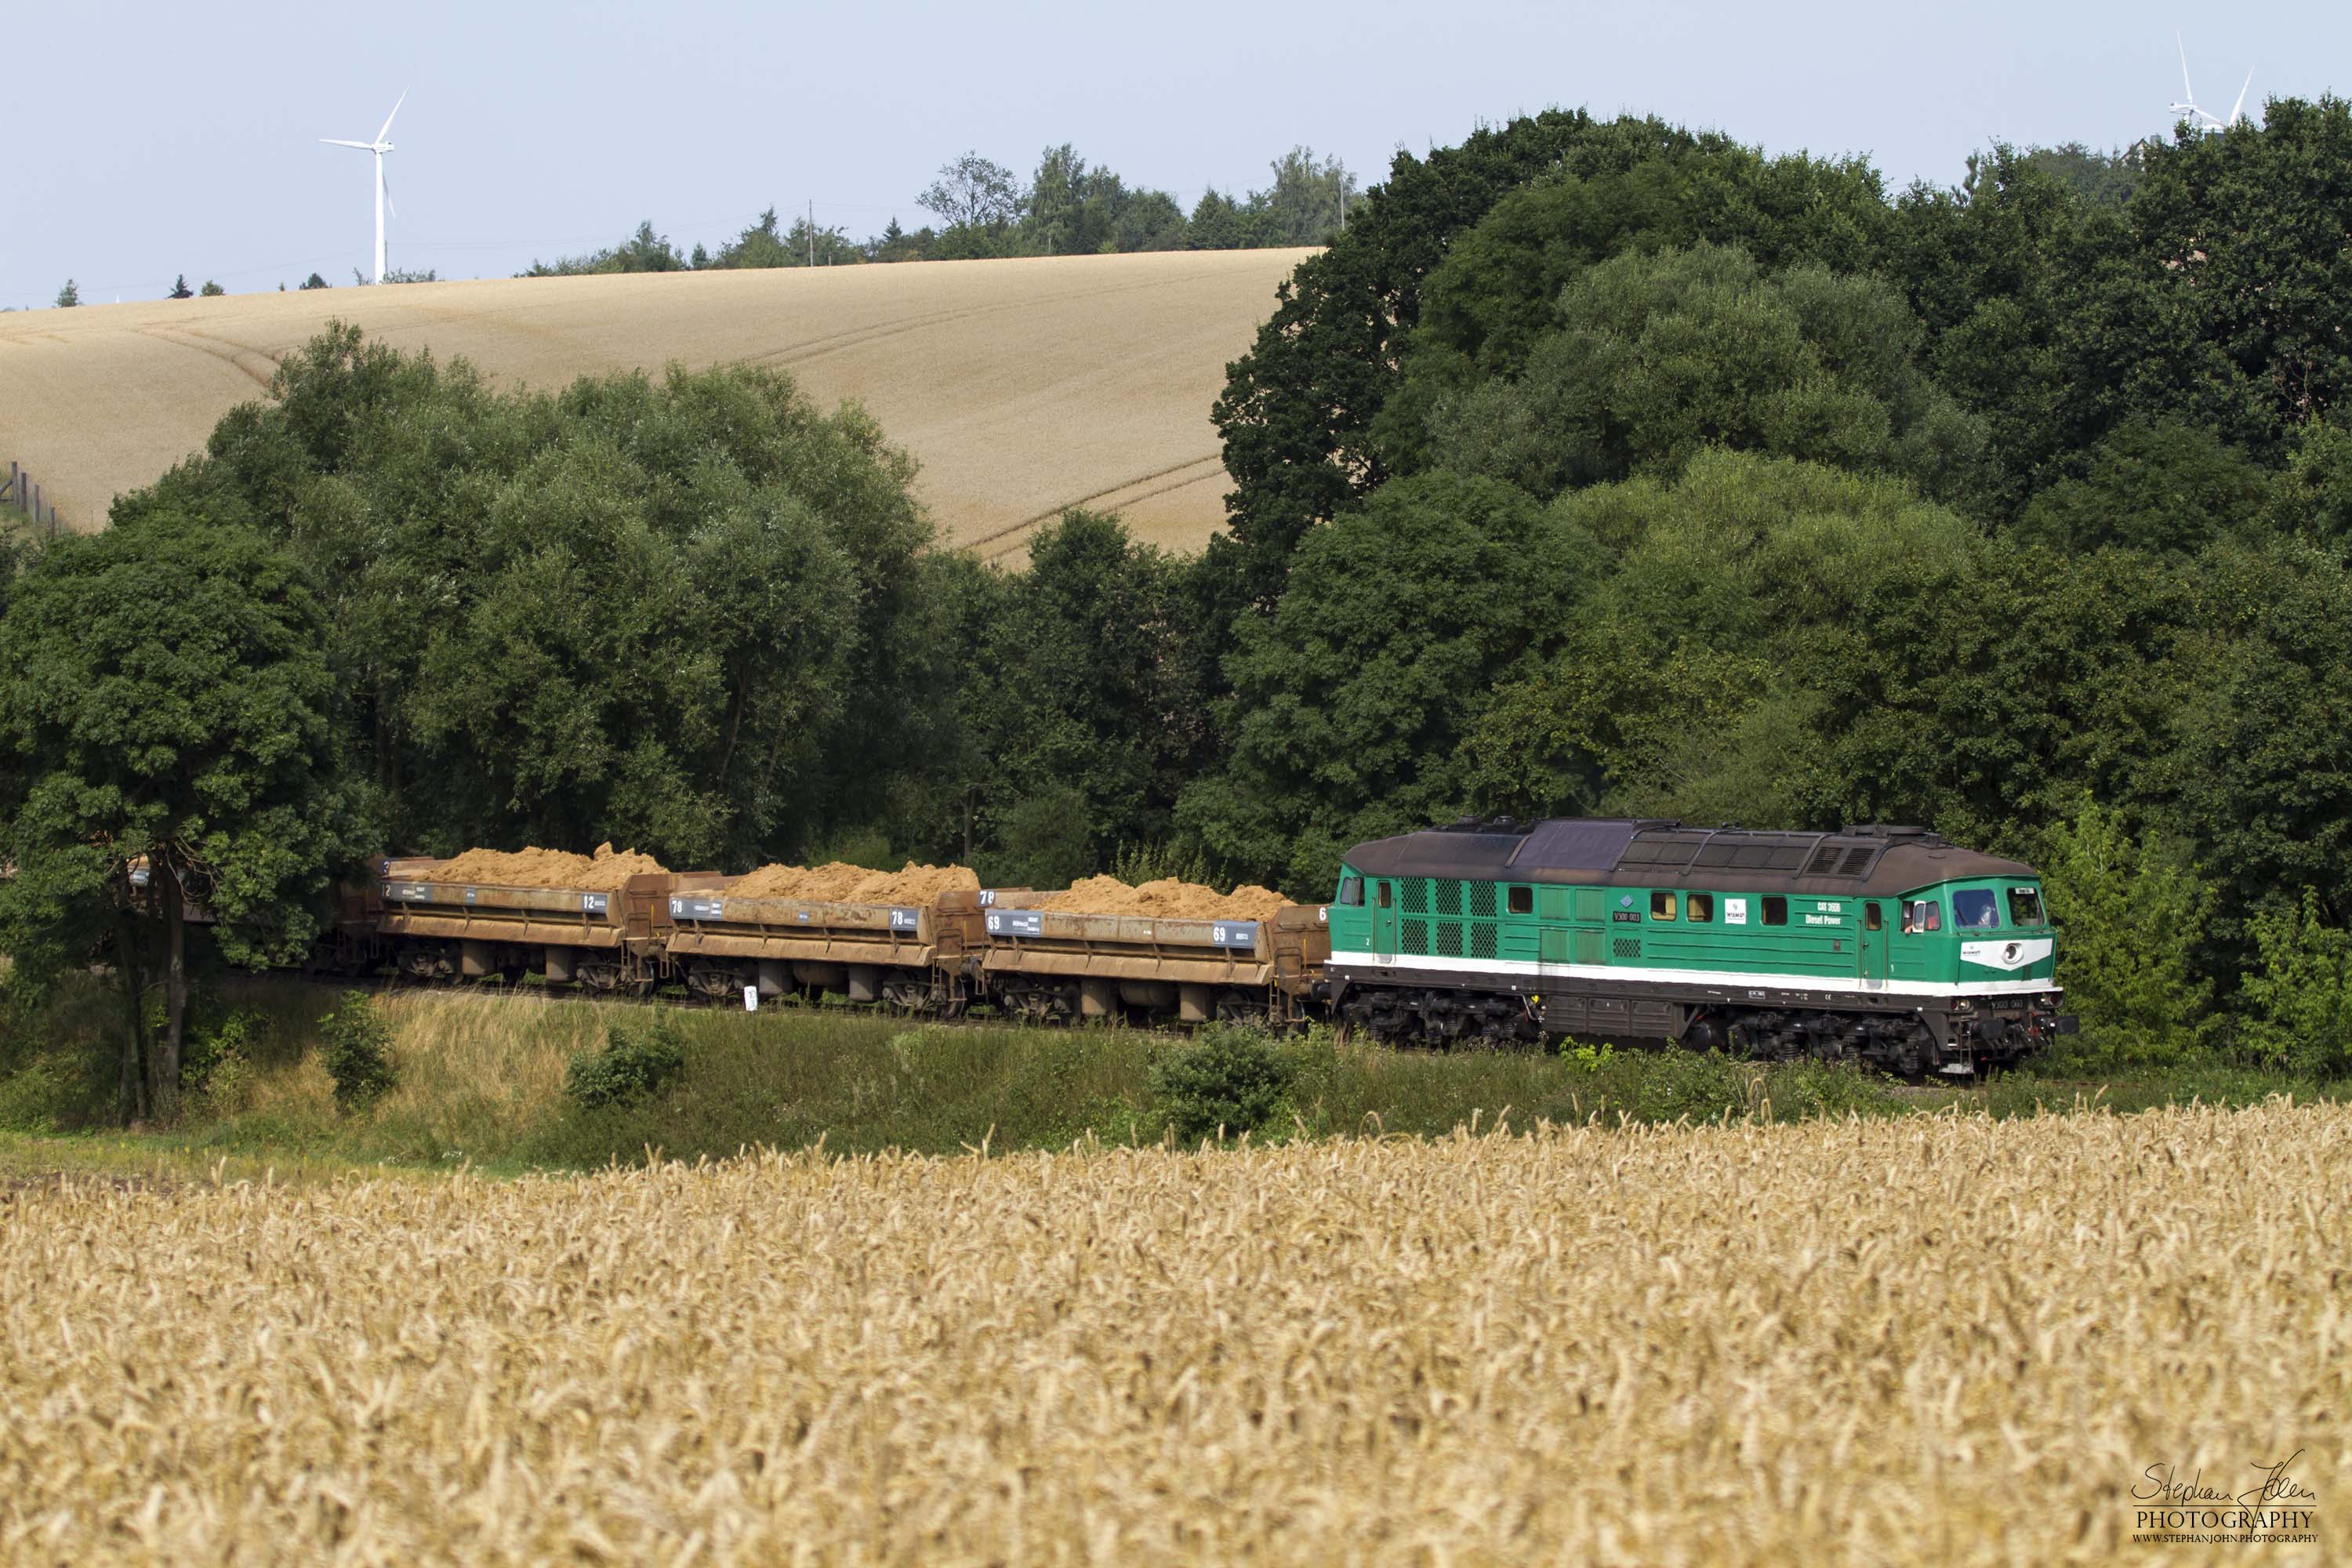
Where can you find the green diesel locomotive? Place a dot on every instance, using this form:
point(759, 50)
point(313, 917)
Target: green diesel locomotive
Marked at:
point(1880, 944)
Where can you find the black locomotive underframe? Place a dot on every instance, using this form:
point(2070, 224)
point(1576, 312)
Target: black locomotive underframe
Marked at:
point(1906, 1034)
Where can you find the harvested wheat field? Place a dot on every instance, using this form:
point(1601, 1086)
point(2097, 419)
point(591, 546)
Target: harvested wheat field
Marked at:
point(1022, 387)
point(1925, 1340)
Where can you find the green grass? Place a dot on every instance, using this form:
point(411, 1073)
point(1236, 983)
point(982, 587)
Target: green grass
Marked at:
point(480, 1084)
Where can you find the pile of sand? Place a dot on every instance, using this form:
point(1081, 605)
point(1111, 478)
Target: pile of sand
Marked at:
point(840, 883)
point(1168, 898)
point(602, 872)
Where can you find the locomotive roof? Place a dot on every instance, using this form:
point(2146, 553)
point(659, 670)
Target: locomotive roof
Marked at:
point(1872, 860)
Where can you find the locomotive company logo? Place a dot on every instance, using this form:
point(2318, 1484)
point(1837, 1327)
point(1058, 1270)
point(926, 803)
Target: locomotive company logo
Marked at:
point(2276, 1510)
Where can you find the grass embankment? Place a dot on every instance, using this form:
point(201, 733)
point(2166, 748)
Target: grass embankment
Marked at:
point(480, 1082)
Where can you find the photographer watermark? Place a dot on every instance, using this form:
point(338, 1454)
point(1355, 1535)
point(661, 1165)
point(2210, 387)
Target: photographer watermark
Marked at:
point(2277, 1509)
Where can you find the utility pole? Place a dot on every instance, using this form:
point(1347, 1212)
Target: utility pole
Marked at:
point(812, 232)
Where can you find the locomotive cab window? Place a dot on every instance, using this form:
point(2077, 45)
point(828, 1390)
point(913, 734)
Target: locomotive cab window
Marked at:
point(1522, 901)
point(1776, 911)
point(1351, 891)
point(1975, 908)
point(1662, 906)
point(1926, 915)
point(1699, 908)
point(2025, 908)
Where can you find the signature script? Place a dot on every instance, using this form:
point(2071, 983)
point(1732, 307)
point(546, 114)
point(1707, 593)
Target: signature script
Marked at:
point(2160, 1483)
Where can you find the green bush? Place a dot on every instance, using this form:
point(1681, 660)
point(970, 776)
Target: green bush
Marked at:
point(356, 1044)
point(1676, 1085)
point(218, 1065)
point(2299, 1008)
point(1226, 1081)
point(1801, 1090)
point(2130, 913)
point(638, 1059)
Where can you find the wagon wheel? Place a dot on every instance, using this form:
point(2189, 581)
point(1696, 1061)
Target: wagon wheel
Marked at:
point(1232, 1009)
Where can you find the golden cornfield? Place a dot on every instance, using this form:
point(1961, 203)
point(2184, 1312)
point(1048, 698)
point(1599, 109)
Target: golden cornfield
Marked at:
point(1933, 1339)
point(1023, 387)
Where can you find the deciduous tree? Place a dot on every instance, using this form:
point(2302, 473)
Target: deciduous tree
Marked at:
point(172, 714)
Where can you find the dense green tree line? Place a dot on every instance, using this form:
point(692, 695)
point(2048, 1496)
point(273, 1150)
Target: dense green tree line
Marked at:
point(2017, 509)
point(1068, 206)
point(1597, 467)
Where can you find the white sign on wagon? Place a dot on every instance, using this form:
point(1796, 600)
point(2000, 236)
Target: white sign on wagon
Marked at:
point(1735, 911)
point(750, 998)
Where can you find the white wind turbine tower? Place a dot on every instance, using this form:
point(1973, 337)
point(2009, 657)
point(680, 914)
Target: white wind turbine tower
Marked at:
point(2188, 99)
point(379, 147)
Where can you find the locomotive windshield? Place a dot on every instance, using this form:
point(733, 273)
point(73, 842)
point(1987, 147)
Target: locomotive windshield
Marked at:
point(1975, 908)
point(2025, 906)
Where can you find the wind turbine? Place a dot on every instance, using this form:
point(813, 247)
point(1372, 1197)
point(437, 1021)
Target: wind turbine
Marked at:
point(2188, 100)
point(379, 147)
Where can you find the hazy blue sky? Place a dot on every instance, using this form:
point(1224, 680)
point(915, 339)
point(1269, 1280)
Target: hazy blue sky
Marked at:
point(143, 141)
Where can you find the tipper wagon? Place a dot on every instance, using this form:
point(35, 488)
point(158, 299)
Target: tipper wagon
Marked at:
point(915, 957)
point(1066, 964)
point(442, 929)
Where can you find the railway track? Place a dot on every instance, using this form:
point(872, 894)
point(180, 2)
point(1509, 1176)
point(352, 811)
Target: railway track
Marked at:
point(988, 1017)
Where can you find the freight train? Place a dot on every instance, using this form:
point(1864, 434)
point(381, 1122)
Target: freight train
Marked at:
point(696, 932)
point(1887, 945)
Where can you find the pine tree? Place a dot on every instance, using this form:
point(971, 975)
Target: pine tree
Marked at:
point(69, 296)
point(180, 289)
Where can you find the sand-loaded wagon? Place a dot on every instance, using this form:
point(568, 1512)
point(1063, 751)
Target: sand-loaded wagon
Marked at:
point(1102, 949)
point(909, 939)
point(488, 912)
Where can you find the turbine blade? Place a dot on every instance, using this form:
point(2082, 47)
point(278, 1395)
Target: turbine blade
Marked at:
point(337, 142)
point(389, 205)
point(396, 109)
point(2187, 91)
point(2234, 107)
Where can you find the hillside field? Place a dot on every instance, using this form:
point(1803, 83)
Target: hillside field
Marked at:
point(1944, 1339)
point(1022, 387)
